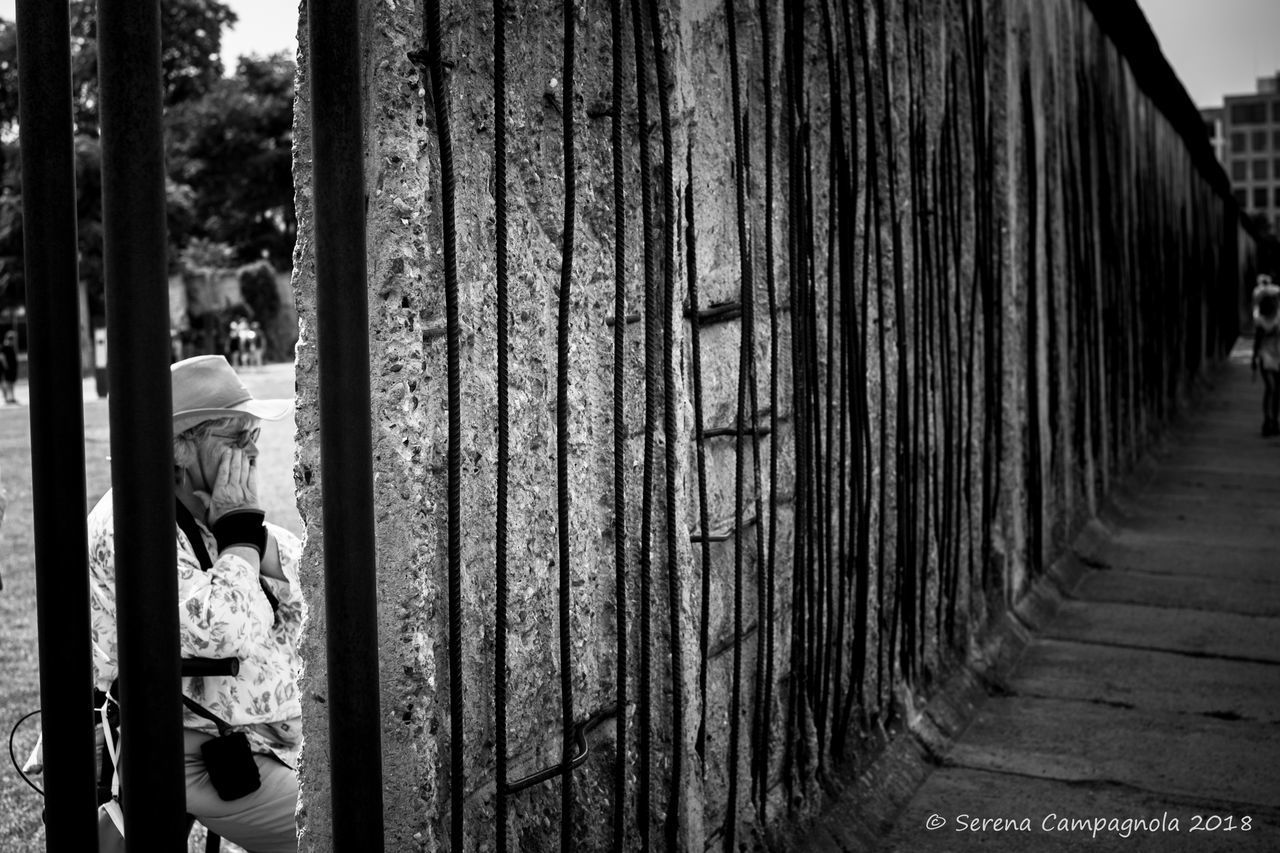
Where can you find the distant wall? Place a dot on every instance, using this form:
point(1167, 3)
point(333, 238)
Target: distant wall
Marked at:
point(997, 265)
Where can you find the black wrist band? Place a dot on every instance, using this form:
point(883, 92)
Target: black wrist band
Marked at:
point(241, 527)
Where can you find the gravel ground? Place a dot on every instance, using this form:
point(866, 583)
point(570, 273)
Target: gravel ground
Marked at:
point(20, 827)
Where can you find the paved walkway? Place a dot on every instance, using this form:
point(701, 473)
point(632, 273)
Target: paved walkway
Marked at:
point(1155, 692)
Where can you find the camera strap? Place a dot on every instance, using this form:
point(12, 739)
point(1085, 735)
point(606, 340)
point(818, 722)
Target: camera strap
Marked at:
point(200, 711)
point(187, 523)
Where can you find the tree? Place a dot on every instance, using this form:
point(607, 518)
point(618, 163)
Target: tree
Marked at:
point(191, 65)
point(258, 288)
point(190, 53)
point(233, 147)
point(190, 57)
point(191, 47)
point(262, 296)
point(229, 146)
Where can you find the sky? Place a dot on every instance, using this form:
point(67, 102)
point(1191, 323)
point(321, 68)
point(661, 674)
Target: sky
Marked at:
point(264, 26)
point(1217, 47)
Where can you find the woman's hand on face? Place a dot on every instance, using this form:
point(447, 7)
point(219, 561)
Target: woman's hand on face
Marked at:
point(236, 484)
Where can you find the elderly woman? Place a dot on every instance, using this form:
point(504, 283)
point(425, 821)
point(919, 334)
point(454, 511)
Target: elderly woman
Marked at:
point(237, 598)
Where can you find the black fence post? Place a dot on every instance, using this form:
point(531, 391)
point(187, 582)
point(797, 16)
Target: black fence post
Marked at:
point(57, 423)
point(342, 311)
point(135, 264)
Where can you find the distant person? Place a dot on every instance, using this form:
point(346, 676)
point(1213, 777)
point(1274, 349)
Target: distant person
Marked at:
point(235, 343)
point(9, 374)
point(255, 343)
point(1266, 356)
point(1264, 286)
point(238, 597)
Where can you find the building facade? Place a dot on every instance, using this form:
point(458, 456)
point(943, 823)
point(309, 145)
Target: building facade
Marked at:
point(1250, 152)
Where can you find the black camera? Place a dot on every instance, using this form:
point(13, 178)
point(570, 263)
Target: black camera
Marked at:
point(231, 767)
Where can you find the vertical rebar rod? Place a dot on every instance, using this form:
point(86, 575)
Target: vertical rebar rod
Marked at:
point(453, 457)
point(700, 458)
point(652, 356)
point(664, 77)
point(621, 763)
point(57, 423)
point(746, 343)
point(345, 436)
point(504, 427)
point(761, 736)
point(563, 504)
point(137, 297)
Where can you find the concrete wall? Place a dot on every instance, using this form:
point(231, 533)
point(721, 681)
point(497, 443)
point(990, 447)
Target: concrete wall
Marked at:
point(985, 317)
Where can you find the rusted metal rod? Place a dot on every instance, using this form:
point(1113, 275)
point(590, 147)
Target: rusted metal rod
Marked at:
point(345, 434)
point(57, 423)
point(137, 297)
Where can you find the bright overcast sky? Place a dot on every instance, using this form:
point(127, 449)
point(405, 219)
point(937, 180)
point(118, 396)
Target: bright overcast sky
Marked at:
point(1217, 47)
point(264, 26)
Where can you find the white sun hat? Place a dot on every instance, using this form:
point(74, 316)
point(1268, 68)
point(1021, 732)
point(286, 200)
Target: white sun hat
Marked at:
point(207, 387)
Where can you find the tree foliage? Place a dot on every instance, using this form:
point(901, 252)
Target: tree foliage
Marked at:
point(190, 53)
point(233, 147)
point(228, 142)
point(258, 287)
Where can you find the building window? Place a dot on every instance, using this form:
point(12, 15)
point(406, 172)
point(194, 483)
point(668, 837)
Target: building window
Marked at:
point(1277, 196)
point(1239, 170)
point(1255, 113)
point(1275, 111)
point(1239, 142)
point(1260, 169)
point(1209, 130)
point(1259, 198)
point(1275, 138)
point(1241, 197)
point(1259, 140)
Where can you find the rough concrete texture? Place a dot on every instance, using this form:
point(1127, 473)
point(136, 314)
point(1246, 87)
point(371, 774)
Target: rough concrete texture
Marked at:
point(985, 272)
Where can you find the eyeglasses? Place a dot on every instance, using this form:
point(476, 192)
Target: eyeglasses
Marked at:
point(241, 439)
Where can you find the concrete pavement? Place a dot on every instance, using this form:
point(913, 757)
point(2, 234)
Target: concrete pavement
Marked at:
point(1145, 713)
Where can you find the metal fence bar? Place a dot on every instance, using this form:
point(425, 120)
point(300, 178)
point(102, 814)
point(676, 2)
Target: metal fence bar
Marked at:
point(57, 423)
point(137, 297)
point(345, 434)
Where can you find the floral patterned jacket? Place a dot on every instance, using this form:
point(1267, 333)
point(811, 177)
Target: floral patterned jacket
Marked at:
point(222, 612)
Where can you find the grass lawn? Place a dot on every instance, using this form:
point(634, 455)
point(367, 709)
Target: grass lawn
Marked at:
point(20, 827)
